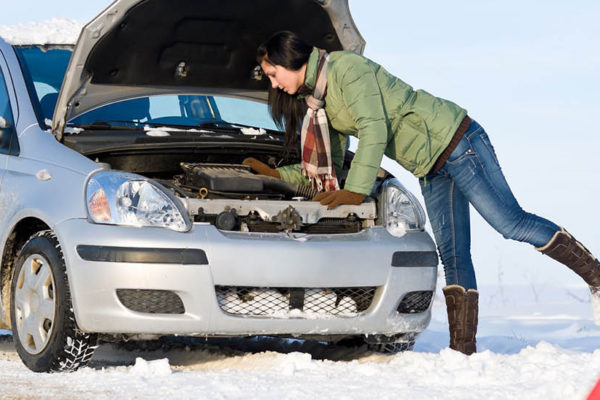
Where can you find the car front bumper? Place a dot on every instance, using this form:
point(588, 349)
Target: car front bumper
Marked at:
point(102, 259)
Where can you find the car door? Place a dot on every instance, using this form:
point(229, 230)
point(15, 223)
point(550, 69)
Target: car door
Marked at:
point(9, 144)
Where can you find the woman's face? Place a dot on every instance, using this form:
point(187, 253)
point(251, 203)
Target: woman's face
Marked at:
point(282, 78)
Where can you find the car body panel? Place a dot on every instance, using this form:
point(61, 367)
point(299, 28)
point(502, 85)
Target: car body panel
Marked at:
point(49, 201)
point(242, 260)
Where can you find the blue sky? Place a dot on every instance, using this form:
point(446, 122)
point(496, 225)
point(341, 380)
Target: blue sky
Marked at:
point(527, 71)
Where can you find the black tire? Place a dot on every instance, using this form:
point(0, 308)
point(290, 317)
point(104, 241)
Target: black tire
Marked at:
point(44, 302)
point(389, 346)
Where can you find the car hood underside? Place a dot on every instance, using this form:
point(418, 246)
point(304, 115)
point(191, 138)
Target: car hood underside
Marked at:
point(138, 48)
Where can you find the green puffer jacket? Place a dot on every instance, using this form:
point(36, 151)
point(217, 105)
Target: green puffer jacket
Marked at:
point(385, 114)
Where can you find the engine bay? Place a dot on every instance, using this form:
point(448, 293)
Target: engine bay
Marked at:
point(233, 198)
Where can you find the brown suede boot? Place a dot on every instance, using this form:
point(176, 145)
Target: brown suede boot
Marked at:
point(565, 249)
point(463, 307)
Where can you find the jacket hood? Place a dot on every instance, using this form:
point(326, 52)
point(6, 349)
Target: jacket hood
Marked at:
point(139, 48)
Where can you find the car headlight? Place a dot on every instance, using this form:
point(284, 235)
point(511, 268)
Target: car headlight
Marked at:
point(400, 211)
point(121, 198)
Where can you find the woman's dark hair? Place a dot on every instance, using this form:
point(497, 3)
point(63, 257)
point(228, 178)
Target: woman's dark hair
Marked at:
point(287, 49)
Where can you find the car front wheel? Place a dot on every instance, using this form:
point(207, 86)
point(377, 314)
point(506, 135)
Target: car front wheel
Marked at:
point(390, 344)
point(43, 323)
point(391, 348)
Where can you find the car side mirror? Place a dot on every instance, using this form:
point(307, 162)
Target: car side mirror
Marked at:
point(4, 124)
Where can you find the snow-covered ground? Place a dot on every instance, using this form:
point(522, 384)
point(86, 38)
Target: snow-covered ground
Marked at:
point(541, 346)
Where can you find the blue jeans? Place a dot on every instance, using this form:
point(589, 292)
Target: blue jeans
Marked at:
point(472, 175)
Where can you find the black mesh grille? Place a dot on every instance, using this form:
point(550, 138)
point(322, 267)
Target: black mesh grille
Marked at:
point(415, 302)
point(151, 301)
point(294, 302)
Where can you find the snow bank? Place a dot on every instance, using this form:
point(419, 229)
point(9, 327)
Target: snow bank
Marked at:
point(542, 372)
point(53, 31)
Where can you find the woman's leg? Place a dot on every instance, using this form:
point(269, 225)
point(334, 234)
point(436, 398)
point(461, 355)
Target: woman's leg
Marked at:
point(448, 211)
point(565, 249)
point(475, 169)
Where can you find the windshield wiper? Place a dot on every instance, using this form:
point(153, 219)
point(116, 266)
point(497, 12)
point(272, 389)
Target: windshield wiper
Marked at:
point(216, 124)
point(206, 124)
point(169, 125)
point(104, 126)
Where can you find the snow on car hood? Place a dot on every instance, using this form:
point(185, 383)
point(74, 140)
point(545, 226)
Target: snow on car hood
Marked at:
point(139, 48)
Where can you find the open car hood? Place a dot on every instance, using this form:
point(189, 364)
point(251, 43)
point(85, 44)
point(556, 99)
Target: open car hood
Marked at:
point(140, 48)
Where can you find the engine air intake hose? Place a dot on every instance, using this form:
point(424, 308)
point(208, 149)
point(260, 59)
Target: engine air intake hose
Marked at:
point(295, 190)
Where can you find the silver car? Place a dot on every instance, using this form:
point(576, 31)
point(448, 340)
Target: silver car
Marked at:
point(126, 212)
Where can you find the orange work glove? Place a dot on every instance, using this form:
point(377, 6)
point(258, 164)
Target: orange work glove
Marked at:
point(261, 168)
point(338, 197)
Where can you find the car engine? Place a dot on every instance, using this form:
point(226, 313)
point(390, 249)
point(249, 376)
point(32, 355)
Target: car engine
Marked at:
point(233, 198)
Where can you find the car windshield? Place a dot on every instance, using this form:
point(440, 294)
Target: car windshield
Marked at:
point(44, 69)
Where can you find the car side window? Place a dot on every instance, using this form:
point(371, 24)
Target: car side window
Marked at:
point(8, 142)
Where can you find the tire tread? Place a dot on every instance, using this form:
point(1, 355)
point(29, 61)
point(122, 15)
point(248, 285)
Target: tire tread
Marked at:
point(69, 348)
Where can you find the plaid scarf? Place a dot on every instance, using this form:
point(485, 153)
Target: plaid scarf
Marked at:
point(314, 138)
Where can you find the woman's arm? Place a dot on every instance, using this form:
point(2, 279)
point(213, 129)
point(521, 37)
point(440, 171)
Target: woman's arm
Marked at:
point(362, 97)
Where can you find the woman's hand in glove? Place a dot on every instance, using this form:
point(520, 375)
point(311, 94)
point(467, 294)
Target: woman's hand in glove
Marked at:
point(338, 197)
point(261, 168)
